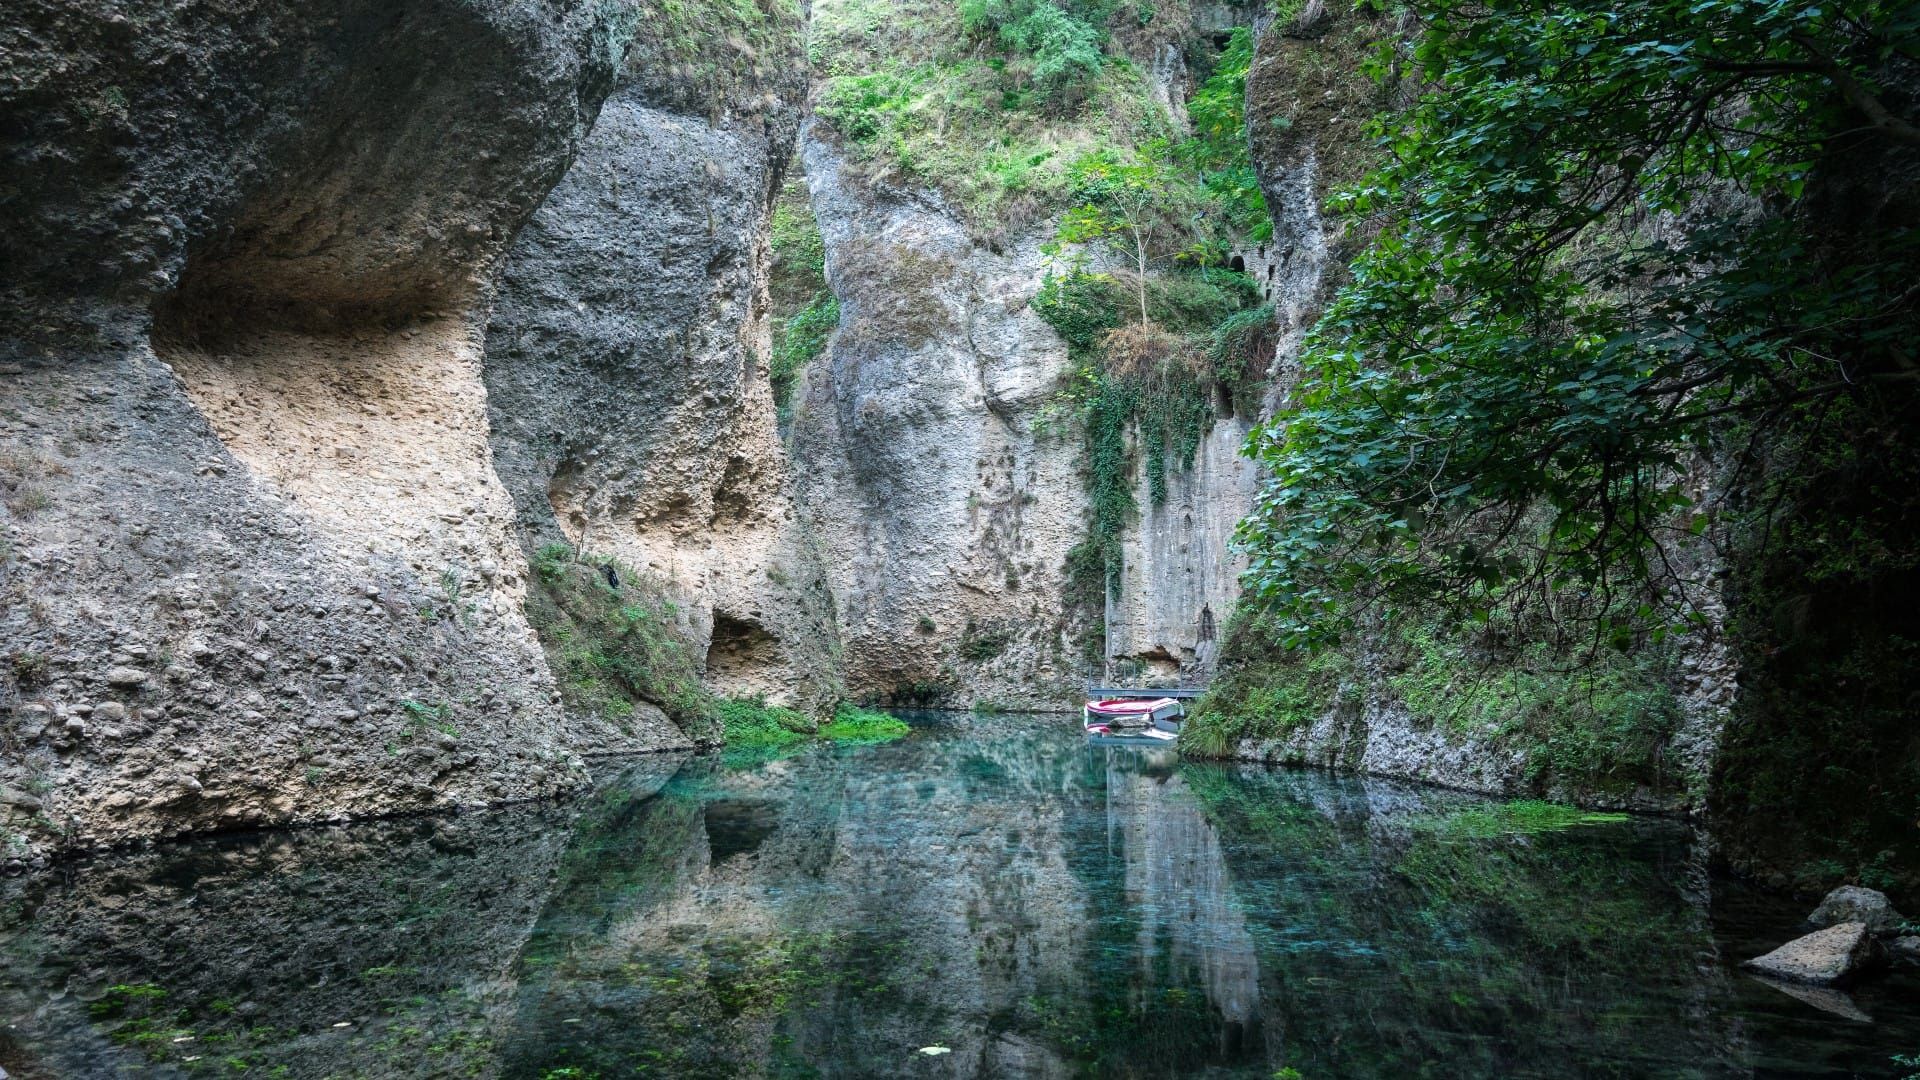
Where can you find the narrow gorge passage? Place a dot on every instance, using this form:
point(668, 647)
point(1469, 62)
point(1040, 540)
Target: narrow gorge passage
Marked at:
point(572, 538)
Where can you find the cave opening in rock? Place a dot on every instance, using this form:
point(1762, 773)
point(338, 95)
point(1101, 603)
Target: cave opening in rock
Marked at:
point(744, 660)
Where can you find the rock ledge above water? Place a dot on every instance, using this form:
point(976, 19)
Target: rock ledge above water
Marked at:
point(1823, 958)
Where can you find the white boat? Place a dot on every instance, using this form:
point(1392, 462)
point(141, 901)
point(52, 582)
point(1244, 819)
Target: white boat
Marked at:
point(1133, 719)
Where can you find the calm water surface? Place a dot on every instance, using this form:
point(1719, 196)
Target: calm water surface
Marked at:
point(987, 897)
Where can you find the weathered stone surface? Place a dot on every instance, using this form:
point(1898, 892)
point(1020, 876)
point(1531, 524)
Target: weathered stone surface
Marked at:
point(949, 513)
point(1853, 903)
point(1824, 958)
point(626, 369)
point(245, 426)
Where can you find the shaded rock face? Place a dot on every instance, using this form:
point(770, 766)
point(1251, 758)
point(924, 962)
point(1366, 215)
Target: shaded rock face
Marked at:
point(947, 506)
point(1852, 903)
point(256, 566)
point(626, 374)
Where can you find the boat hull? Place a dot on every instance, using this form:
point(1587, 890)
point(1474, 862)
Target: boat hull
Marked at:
point(1153, 720)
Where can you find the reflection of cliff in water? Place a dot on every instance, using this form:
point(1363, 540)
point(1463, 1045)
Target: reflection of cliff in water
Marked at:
point(383, 949)
point(819, 910)
point(1192, 930)
point(988, 898)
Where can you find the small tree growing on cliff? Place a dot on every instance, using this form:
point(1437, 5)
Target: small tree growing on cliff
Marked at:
point(1144, 206)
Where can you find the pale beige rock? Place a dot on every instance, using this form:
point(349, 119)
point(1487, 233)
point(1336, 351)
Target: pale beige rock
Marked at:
point(1824, 958)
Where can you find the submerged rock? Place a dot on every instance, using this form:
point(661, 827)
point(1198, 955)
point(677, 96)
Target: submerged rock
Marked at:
point(1851, 903)
point(1823, 958)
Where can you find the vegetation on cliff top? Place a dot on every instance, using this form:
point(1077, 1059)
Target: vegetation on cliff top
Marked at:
point(1163, 343)
point(1027, 111)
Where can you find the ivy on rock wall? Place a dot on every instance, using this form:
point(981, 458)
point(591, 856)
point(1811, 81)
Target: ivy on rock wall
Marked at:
point(1636, 292)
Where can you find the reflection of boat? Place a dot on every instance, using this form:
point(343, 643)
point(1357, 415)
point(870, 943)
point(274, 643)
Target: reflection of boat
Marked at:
point(1148, 720)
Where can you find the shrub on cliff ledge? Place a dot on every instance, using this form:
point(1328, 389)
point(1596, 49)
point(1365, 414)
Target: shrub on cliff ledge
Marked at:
point(611, 640)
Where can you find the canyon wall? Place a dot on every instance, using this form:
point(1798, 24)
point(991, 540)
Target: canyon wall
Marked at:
point(940, 449)
point(243, 438)
point(626, 360)
point(948, 506)
point(264, 544)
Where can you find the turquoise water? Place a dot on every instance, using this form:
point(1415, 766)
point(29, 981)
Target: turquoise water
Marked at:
point(987, 897)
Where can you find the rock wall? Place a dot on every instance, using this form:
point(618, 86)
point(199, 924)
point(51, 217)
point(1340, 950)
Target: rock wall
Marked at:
point(1181, 578)
point(627, 367)
point(947, 504)
point(258, 563)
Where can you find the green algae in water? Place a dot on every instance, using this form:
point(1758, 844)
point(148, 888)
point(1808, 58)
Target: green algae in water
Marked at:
point(757, 733)
point(1519, 817)
point(992, 886)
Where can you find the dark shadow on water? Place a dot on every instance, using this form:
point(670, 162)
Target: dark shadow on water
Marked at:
point(988, 896)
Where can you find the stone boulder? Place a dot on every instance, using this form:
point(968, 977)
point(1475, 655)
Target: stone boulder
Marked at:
point(1851, 903)
point(1823, 958)
point(1905, 951)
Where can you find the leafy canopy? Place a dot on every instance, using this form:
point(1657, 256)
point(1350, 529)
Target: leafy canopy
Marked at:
point(1593, 253)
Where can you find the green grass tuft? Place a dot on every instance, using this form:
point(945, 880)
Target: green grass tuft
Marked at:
point(863, 727)
point(614, 645)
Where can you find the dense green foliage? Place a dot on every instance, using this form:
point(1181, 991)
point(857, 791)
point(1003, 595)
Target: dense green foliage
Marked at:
point(1065, 43)
point(752, 724)
point(853, 725)
point(1605, 726)
point(927, 106)
point(1590, 256)
point(803, 337)
point(756, 732)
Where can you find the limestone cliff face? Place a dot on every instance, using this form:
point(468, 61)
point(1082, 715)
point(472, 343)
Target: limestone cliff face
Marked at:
point(626, 369)
point(256, 564)
point(946, 504)
point(946, 473)
point(257, 560)
point(1181, 577)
